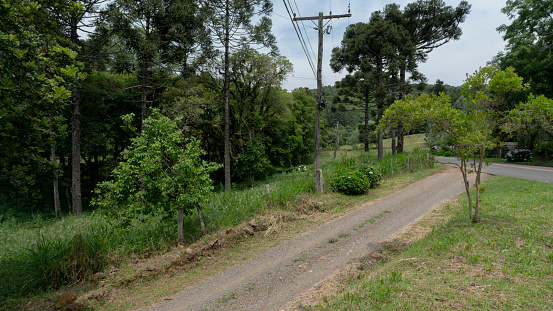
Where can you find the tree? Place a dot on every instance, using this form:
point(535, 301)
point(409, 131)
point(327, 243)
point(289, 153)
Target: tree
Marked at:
point(429, 24)
point(159, 174)
point(370, 48)
point(359, 85)
point(84, 11)
point(529, 43)
point(537, 111)
point(38, 66)
point(231, 23)
point(471, 131)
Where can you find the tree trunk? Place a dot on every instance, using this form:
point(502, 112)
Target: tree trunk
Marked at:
point(366, 123)
point(463, 168)
point(400, 129)
point(55, 182)
point(380, 108)
point(67, 178)
point(202, 224)
point(337, 139)
point(181, 226)
point(145, 68)
point(394, 146)
point(76, 152)
point(76, 135)
point(227, 94)
point(477, 185)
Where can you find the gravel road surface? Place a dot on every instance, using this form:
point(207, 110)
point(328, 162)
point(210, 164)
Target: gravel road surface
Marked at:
point(274, 279)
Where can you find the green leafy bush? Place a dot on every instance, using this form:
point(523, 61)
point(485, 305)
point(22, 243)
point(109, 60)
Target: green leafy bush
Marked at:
point(158, 174)
point(373, 174)
point(448, 154)
point(350, 182)
point(518, 155)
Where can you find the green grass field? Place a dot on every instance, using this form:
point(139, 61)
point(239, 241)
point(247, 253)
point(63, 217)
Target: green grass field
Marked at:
point(504, 262)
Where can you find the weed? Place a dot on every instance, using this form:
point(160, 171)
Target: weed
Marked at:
point(344, 235)
point(224, 299)
point(249, 287)
point(332, 240)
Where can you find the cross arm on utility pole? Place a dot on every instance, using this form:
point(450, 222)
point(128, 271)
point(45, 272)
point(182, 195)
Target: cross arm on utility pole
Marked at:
point(317, 17)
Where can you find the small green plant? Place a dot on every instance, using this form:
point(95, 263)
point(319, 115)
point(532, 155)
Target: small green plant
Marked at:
point(249, 287)
point(344, 235)
point(448, 154)
point(224, 299)
point(350, 182)
point(332, 240)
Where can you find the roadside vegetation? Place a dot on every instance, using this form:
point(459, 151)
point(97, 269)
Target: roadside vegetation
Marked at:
point(39, 254)
point(503, 262)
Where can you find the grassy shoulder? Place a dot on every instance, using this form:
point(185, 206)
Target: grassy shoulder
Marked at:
point(536, 162)
point(504, 262)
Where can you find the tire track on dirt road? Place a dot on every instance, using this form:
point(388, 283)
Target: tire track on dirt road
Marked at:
point(276, 277)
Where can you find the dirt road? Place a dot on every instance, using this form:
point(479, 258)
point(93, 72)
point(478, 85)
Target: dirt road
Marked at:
point(275, 279)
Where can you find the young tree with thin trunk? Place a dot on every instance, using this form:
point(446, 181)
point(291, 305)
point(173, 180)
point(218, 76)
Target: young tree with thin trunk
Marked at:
point(471, 131)
point(159, 175)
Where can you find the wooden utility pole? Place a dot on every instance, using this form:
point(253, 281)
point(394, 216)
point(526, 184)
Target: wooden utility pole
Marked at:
point(317, 179)
point(337, 139)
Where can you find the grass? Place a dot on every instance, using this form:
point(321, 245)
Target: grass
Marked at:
point(141, 291)
point(411, 142)
point(504, 262)
point(34, 254)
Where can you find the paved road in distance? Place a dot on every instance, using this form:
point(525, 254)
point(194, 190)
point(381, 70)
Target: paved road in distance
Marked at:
point(539, 173)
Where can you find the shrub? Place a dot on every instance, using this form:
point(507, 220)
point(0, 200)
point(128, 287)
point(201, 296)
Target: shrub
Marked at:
point(373, 174)
point(448, 154)
point(518, 155)
point(350, 182)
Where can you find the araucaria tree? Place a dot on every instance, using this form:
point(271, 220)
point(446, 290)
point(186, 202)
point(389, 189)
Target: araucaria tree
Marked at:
point(471, 131)
point(371, 48)
point(158, 175)
point(429, 24)
point(231, 24)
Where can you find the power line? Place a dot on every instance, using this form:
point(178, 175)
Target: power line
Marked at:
point(300, 37)
point(305, 30)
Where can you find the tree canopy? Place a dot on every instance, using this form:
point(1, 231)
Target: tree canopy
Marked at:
point(529, 42)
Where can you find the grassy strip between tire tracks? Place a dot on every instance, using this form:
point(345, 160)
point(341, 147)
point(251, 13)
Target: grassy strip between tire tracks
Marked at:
point(505, 262)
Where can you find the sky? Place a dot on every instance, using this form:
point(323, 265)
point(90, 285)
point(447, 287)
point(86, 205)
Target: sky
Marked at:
point(450, 63)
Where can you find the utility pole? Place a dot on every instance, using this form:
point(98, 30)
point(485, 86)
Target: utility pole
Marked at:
point(337, 139)
point(317, 179)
